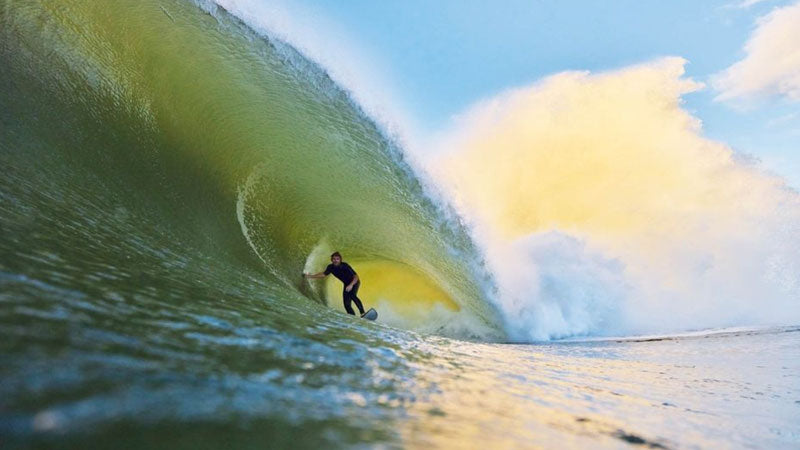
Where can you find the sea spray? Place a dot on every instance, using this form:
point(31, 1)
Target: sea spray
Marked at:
point(660, 228)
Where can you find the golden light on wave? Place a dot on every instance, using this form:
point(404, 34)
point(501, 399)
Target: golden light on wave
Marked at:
point(409, 292)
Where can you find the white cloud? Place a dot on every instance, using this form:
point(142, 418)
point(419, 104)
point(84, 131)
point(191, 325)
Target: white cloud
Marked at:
point(772, 62)
point(783, 120)
point(748, 3)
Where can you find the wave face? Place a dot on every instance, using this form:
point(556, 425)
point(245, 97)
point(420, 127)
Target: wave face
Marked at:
point(170, 119)
point(174, 124)
point(167, 175)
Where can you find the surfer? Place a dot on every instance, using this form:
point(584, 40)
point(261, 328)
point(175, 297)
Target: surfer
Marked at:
point(348, 277)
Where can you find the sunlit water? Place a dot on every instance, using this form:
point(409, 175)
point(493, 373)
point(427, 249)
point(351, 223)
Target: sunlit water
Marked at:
point(165, 179)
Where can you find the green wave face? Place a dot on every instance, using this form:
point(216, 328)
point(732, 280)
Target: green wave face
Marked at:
point(169, 126)
point(166, 176)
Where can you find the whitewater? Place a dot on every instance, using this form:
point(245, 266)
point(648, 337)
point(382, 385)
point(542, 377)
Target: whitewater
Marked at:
point(170, 168)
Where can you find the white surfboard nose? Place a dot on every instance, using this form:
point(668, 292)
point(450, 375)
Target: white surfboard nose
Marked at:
point(371, 314)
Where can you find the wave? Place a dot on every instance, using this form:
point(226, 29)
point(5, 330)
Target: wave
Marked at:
point(597, 204)
point(166, 124)
point(238, 144)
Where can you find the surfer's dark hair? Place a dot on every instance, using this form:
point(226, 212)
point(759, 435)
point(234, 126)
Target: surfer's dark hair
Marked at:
point(336, 254)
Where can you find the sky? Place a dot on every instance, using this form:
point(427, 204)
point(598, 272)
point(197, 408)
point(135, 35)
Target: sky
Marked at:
point(419, 65)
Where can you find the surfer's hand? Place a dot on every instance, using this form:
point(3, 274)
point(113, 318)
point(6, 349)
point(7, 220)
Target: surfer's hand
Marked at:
point(348, 288)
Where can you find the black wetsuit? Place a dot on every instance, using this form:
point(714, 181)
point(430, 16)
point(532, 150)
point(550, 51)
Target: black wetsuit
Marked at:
point(345, 273)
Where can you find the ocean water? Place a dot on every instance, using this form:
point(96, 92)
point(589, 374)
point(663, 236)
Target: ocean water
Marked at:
point(168, 173)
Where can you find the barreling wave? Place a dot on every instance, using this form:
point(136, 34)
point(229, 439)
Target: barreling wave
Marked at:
point(173, 130)
point(166, 176)
point(238, 144)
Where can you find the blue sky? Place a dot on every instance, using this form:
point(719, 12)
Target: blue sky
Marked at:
point(439, 57)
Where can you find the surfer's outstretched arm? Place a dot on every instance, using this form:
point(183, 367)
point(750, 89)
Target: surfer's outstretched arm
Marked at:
point(315, 275)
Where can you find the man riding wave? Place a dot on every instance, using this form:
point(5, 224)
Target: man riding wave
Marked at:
point(348, 277)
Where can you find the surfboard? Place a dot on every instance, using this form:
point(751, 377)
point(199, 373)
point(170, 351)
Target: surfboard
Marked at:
point(370, 315)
